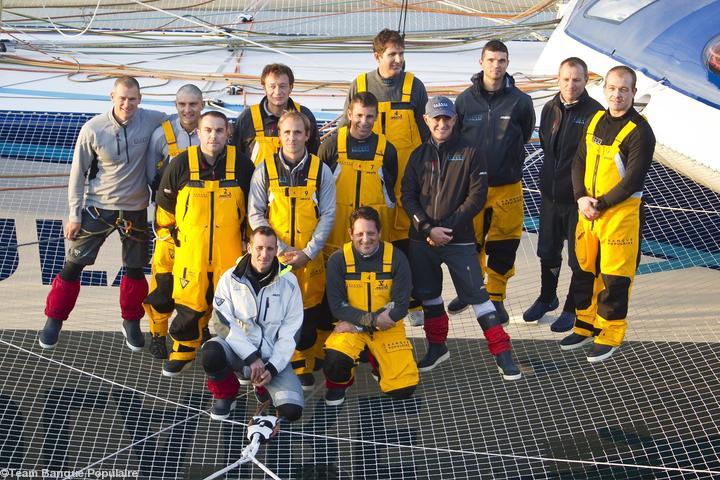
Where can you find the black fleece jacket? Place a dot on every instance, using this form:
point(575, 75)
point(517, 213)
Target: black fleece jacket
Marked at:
point(444, 186)
point(562, 129)
point(499, 124)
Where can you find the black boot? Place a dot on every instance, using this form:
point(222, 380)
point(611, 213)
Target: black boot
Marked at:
point(436, 354)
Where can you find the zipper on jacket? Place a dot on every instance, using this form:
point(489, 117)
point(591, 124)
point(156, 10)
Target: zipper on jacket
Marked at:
point(212, 225)
point(437, 183)
point(117, 141)
point(358, 185)
point(597, 163)
point(127, 152)
point(261, 321)
point(594, 178)
point(292, 222)
point(369, 297)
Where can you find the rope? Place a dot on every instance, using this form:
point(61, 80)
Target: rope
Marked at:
point(128, 447)
point(505, 455)
point(367, 442)
point(83, 31)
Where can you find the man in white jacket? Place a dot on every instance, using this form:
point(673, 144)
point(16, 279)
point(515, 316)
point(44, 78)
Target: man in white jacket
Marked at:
point(260, 302)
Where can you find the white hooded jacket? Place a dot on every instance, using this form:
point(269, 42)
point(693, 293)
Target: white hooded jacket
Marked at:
point(264, 325)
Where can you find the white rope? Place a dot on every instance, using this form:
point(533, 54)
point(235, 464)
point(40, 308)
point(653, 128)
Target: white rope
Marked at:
point(221, 31)
point(396, 445)
point(111, 382)
point(97, 7)
point(248, 454)
point(506, 455)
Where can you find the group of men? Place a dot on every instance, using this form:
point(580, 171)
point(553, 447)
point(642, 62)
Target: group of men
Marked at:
point(310, 255)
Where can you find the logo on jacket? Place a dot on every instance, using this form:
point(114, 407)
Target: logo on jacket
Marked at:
point(183, 282)
point(456, 157)
point(361, 149)
point(219, 301)
point(477, 118)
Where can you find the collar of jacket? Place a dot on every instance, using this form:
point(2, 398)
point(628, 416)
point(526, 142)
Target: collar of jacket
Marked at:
point(207, 165)
point(243, 269)
point(263, 103)
point(113, 120)
point(292, 168)
point(477, 81)
point(388, 81)
point(623, 118)
point(582, 99)
point(449, 143)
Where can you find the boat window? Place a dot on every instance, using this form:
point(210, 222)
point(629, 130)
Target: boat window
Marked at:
point(617, 10)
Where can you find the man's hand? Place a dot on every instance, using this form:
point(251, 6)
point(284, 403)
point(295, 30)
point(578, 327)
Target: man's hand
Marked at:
point(587, 208)
point(383, 320)
point(345, 327)
point(440, 236)
point(72, 229)
point(257, 372)
point(296, 258)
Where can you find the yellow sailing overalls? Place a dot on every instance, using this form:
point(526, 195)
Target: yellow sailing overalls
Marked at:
point(396, 120)
point(498, 228)
point(370, 292)
point(293, 214)
point(159, 304)
point(265, 146)
point(614, 237)
point(359, 183)
point(209, 216)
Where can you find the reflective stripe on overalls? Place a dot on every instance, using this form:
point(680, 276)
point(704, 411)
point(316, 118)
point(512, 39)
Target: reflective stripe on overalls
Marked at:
point(371, 292)
point(209, 216)
point(359, 183)
point(293, 214)
point(396, 120)
point(603, 294)
point(265, 146)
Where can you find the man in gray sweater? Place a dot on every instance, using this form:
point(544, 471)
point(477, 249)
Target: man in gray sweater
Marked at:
point(111, 154)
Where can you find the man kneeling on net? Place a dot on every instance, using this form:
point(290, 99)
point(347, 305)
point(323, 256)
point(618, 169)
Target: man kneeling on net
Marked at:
point(368, 289)
point(259, 301)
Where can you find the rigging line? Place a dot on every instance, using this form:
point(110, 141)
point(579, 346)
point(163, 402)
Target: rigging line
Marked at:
point(402, 23)
point(97, 7)
point(506, 455)
point(224, 32)
point(127, 447)
point(111, 382)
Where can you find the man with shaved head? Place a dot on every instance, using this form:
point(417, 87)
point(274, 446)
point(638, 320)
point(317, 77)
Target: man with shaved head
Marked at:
point(110, 156)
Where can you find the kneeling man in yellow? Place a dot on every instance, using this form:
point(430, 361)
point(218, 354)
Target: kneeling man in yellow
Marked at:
point(294, 193)
point(608, 174)
point(368, 289)
point(365, 166)
point(201, 204)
